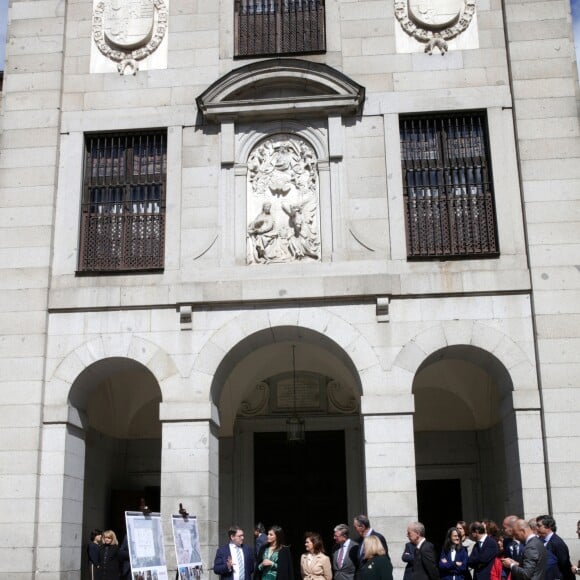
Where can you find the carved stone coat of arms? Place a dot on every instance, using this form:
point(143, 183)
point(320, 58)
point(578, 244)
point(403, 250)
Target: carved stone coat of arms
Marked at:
point(128, 31)
point(434, 22)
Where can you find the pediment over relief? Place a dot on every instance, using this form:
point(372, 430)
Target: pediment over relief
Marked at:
point(280, 88)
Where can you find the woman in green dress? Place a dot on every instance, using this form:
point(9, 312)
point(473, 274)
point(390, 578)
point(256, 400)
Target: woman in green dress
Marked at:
point(274, 559)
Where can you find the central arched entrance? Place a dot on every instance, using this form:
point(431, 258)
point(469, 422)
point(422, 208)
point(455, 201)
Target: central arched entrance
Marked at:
point(309, 485)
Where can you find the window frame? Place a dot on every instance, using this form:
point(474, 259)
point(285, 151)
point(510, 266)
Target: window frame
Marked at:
point(263, 28)
point(123, 203)
point(448, 193)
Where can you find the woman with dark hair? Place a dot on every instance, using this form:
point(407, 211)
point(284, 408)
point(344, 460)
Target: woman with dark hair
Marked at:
point(93, 554)
point(463, 529)
point(454, 556)
point(498, 572)
point(377, 565)
point(275, 560)
point(315, 564)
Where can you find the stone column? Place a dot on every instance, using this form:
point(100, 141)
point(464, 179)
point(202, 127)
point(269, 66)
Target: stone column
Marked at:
point(189, 475)
point(60, 499)
point(390, 476)
point(525, 451)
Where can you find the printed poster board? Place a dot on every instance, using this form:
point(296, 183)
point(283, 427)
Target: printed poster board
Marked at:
point(187, 547)
point(145, 539)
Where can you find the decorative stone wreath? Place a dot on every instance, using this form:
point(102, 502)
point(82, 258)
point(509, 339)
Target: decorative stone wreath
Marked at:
point(128, 60)
point(434, 37)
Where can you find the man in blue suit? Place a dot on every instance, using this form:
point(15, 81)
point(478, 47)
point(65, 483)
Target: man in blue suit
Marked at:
point(234, 560)
point(362, 525)
point(483, 553)
point(559, 564)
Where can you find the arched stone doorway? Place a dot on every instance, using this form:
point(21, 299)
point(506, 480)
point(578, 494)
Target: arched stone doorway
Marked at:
point(466, 446)
point(262, 476)
point(119, 401)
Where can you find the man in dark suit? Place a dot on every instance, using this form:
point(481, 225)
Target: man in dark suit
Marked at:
point(234, 560)
point(125, 559)
point(559, 564)
point(425, 560)
point(362, 525)
point(260, 538)
point(535, 558)
point(511, 547)
point(344, 554)
point(483, 553)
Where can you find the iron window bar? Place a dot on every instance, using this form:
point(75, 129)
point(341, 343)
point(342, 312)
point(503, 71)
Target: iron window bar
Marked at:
point(123, 206)
point(448, 186)
point(272, 27)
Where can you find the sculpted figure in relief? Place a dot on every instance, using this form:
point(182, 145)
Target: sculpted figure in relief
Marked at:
point(283, 183)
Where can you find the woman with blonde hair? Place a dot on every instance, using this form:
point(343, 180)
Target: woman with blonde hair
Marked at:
point(109, 563)
point(377, 565)
point(315, 564)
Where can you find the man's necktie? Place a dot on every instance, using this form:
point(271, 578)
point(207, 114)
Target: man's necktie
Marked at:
point(241, 569)
point(340, 558)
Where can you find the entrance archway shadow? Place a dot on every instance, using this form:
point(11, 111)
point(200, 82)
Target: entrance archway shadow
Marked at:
point(268, 352)
point(119, 398)
point(255, 458)
point(465, 435)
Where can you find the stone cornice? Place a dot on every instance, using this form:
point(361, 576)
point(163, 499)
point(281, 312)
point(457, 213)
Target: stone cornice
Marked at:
point(316, 89)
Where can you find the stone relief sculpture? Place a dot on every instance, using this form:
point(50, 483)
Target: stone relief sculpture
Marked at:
point(282, 194)
point(314, 393)
point(434, 22)
point(128, 31)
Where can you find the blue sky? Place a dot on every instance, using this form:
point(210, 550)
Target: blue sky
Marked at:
point(576, 19)
point(4, 10)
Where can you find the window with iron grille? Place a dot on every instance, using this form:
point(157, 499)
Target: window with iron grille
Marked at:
point(123, 205)
point(271, 27)
point(447, 186)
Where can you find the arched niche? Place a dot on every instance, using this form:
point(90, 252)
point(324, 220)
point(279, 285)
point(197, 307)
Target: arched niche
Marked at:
point(255, 101)
point(465, 437)
point(253, 389)
point(119, 398)
point(267, 353)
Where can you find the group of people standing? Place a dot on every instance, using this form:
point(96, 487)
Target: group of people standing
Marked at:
point(521, 550)
point(272, 560)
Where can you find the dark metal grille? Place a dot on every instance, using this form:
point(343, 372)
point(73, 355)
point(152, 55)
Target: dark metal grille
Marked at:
point(123, 209)
point(447, 187)
point(270, 27)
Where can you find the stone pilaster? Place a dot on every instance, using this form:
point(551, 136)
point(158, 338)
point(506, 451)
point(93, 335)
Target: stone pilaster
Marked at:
point(190, 475)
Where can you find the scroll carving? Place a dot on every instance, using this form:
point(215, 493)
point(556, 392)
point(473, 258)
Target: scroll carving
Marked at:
point(257, 401)
point(283, 202)
point(434, 22)
point(340, 398)
point(128, 31)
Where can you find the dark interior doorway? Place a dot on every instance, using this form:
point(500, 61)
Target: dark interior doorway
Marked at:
point(301, 487)
point(130, 500)
point(439, 503)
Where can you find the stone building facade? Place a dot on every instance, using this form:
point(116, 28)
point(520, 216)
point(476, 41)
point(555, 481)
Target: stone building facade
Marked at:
point(357, 215)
